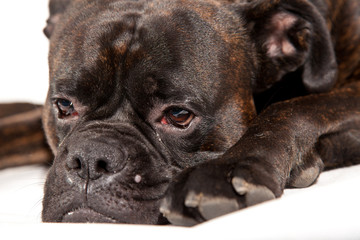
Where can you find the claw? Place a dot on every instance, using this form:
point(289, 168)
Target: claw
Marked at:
point(240, 185)
point(254, 194)
point(192, 199)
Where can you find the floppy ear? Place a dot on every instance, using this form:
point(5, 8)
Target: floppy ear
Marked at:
point(291, 35)
point(57, 8)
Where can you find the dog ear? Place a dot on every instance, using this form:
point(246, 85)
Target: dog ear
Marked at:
point(56, 8)
point(291, 35)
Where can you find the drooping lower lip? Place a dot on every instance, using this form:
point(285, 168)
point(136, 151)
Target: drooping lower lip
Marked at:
point(86, 215)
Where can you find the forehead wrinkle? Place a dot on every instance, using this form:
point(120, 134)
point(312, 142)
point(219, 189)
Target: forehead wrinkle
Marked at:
point(173, 38)
point(202, 67)
point(106, 39)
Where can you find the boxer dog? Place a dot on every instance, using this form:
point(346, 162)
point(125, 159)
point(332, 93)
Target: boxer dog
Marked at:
point(181, 111)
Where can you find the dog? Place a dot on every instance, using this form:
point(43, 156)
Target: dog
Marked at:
point(182, 111)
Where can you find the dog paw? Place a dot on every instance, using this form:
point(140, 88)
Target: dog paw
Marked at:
point(210, 191)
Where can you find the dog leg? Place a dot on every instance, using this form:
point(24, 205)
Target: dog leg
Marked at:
point(286, 145)
point(22, 140)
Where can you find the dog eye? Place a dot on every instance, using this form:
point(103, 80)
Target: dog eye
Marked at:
point(178, 117)
point(66, 108)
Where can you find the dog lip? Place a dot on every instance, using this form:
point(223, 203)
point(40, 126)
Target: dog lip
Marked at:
point(86, 215)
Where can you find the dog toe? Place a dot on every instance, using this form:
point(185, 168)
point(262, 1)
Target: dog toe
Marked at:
point(212, 207)
point(253, 194)
point(175, 217)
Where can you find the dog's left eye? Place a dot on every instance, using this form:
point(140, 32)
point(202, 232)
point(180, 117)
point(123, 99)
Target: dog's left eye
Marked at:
point(178, 117)
point(66, 108)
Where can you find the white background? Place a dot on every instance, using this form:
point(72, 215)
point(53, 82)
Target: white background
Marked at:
point(23, 51)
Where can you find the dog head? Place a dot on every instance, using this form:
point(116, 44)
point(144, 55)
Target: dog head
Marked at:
point(140, 90)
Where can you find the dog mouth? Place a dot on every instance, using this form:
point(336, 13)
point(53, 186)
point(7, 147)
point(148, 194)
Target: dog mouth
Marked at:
point(86, 215)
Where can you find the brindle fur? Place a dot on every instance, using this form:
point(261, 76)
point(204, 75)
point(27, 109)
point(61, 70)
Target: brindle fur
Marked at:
point(273, 84)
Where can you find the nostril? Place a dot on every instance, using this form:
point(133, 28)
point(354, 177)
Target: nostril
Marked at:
point(101, 166)
point(74, 163)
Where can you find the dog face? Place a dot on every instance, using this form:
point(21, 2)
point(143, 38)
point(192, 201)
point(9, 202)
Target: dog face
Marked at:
point(135, 96)
point(140, 90)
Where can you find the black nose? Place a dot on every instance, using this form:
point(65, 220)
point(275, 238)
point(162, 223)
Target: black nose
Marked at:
point(92, 159)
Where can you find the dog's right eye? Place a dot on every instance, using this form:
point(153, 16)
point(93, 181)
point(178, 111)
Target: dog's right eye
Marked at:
point(66, 108)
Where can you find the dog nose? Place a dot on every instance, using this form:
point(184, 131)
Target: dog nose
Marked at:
point(93, 159)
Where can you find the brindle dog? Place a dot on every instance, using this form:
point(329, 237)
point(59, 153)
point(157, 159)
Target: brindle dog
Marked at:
point(184, 110)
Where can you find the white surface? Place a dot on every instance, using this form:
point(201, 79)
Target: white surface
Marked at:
point(21, 191)
point(328, 210)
